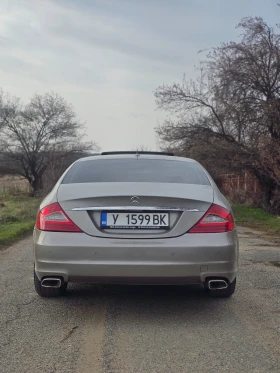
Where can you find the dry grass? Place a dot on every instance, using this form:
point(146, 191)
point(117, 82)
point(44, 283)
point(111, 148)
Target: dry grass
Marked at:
point(13, 185)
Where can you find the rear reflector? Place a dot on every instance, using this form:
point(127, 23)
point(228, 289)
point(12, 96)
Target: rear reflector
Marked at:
point(216, 220)
point(53, 218)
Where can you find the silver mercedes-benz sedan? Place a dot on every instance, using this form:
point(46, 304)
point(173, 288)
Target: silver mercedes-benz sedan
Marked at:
point(135, 218)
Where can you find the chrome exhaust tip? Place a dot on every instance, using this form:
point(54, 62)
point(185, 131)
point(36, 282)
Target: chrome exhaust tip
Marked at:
point(217, 284)
point(51, 282)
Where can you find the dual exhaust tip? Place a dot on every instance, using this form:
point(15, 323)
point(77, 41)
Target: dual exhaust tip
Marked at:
point(53, 282)
point(217, 284)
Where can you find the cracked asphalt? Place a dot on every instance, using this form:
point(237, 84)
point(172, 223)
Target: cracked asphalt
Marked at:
point(126, 329)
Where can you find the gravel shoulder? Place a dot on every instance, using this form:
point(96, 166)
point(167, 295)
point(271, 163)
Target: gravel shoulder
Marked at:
point(127, 329)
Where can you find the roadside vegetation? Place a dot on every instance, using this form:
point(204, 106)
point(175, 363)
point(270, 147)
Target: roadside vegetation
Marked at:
point(38, 141)
point(228, 118)
point(257, 218)
point(17, 217)
point(39, 137)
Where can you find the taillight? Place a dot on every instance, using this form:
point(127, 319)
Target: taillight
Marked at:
point(216, 220)
point(53, 218)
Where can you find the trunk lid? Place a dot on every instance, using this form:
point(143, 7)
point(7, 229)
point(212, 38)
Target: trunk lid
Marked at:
point(185, 204)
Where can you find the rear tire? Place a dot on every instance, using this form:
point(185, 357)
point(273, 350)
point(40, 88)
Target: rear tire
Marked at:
point(48, 292)
point(223, 293)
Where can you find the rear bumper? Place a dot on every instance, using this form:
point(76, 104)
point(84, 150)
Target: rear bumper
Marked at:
point(190, 258)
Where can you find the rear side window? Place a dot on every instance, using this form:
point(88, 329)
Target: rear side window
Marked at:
point(135, 170)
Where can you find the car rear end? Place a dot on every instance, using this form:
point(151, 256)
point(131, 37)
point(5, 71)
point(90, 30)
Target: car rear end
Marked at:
point(135, 218)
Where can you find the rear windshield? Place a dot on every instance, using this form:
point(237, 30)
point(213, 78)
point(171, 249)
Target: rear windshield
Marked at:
point(136, 170)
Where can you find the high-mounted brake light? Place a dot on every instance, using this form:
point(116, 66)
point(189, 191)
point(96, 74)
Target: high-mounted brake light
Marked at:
point(216, 220)
point(53, 218)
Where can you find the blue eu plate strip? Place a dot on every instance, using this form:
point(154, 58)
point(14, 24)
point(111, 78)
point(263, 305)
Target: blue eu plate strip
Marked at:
point(104, 219)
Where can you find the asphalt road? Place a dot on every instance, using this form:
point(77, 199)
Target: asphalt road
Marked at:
point(123, 329)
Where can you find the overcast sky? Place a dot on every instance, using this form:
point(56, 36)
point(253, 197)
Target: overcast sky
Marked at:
point(106, 57)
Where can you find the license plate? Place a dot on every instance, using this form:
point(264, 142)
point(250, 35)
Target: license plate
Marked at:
point(132, 220)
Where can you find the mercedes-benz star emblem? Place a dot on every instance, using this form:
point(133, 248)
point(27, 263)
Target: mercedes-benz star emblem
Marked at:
point(135, 200)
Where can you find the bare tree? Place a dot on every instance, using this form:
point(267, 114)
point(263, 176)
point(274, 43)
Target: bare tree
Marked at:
point(33, 135)
point(230, 116)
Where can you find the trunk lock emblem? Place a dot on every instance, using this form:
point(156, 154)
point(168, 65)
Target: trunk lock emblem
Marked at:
point(135, 200)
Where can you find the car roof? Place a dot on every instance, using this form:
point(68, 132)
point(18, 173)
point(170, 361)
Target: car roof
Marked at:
point(140, 156)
